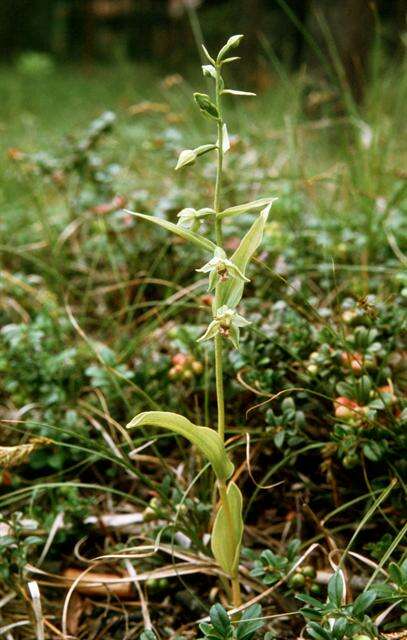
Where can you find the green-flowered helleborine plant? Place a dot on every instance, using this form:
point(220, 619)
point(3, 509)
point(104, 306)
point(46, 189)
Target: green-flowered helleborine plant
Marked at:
point(227, 277)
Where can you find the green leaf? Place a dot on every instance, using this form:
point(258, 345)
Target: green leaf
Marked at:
point(219, 619)
point(226, 543)
point(231, 291)
point(339, 628)
point(206, 105)
point(373, 451)
point(231, 59)
point(207, 440)
point(363, 602)
point(248, 206)
point(249, 623)
point(207, 55)
point(396, 574)
point(237, 92)
point(148, 635)
point(335, 589)
point(316, 631)
point(233, 42)
point(186, 234)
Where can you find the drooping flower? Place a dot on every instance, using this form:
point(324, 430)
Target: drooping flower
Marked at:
point(190, 218)
point(226, 323)
point(221, 268)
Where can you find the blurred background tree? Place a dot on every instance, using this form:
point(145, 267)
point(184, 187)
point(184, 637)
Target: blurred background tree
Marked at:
point(160, 31)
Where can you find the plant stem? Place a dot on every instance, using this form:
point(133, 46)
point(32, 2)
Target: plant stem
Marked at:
point(220, 398)
point(219, 387)
point(236, 596)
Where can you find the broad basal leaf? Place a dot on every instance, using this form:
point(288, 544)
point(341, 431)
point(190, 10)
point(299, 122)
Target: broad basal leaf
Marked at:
point(207, 440)
point(195, 238)
point(225, 542)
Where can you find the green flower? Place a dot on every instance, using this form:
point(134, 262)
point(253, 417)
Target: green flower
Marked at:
point(220, 267)
point(226, 323)
point(190, 218)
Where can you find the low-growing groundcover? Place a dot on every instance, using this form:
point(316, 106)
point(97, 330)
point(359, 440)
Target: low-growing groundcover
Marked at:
point(104, 532)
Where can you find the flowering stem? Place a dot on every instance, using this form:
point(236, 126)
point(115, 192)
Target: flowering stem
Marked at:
point(220, 398)
point(218, 231)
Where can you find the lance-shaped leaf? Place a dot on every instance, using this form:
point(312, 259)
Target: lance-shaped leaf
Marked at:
point(231, 291)
point(186, 234)
point(227, 532)
point(233, 42)
point(247, 206)
point(207, 55)
point(207, 440)
point(237, 92)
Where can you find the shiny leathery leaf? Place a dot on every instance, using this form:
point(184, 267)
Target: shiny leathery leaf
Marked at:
point(207, 440)
point(220, 620)
point(225, 543)
point(363, 602)
point(231, 291)
point(186, 234)
point(249, 623)
point(335, 588)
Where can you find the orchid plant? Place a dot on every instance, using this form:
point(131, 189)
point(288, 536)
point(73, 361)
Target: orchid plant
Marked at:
point(226, 278)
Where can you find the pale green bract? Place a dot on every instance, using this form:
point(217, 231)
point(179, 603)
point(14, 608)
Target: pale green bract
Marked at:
point(237, 92)
point(231, 291)
point(244, 208)
point(225, 543)
point(186, 234)
point(207, 440)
